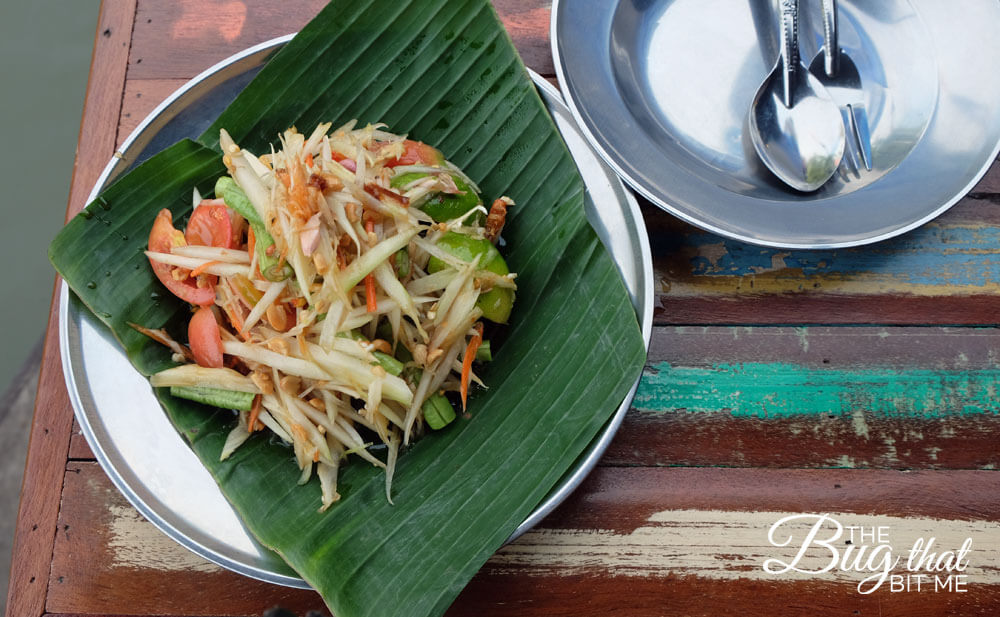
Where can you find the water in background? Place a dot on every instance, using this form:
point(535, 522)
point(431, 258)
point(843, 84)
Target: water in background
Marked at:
point(45, 50)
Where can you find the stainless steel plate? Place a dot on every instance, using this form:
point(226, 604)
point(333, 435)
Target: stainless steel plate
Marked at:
point(132, 438)
point(662, 88)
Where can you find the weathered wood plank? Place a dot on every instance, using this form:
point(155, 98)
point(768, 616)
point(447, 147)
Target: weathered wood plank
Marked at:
point(818, 308)
point(178, 40)
point(103, 544)
point(50, 429)
point(661, 597)
point(816, 397)
point(102, 105)
point(942, 273)
point(822, 441)
point(674, 534)
point(140, 98)
point(78, 448)
point(990, 183)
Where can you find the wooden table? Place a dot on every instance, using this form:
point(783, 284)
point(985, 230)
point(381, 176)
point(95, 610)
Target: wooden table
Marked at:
point(857, 382)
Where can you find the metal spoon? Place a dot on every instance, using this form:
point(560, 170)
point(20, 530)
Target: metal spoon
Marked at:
point(795, 126)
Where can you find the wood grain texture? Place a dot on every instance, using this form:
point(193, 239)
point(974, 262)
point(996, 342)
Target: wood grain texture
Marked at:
point(140, 98)
point(816, 397)
point(78, 447)
point(103, 102)
point(108, 558)
point(685, 538)
point(178, 40)
point(944, 272)
point(50, 433)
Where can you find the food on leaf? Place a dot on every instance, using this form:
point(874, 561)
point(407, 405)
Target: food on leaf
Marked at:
point(352, 300)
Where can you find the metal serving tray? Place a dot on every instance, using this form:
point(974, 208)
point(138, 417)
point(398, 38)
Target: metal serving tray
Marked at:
point(130, 434)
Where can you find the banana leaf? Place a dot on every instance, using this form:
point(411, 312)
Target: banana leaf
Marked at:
point(445, 72)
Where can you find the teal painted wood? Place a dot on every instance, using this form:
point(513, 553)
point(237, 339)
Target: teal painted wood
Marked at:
point(781, 389)
point(899, 397)
point(776, 372)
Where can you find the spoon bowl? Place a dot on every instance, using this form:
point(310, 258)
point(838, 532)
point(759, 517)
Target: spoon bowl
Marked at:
point(795, 126)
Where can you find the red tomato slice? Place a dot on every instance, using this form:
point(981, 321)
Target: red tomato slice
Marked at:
point(210, 226)
point(204, 338)
point(417, 152)
point(161, 241)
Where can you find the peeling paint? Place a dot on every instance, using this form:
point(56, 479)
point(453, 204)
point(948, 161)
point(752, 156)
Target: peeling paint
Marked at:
point(766, 389)
point(135, 543)
point(859, 423)
point(803, 335)
point(952, 256)
point(729, 545)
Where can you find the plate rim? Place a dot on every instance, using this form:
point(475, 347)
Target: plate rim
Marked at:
point(642, 302)
point(660, 202)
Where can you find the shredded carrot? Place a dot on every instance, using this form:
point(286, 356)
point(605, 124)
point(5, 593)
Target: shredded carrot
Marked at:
point(470, 355)
point(232, 312)
point(309, 160)
point(251, 247)
point(235, 320)
point(370, 301)
point(282, 175)
point(254, 413)
point(371, 304)
point(201, 269)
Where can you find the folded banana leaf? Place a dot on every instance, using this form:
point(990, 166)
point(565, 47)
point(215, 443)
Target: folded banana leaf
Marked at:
point(445, 72)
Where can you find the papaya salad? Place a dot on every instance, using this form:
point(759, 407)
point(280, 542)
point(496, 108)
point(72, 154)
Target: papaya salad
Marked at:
point(340, 284)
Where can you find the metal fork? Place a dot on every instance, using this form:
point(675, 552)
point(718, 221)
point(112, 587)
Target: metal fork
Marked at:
point(835, 69)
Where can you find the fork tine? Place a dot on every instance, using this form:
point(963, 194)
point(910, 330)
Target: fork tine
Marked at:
point(851, 165)
point(859, 124)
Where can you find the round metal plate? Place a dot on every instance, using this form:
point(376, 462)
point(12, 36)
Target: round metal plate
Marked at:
point(127, 430)
point(662, 89)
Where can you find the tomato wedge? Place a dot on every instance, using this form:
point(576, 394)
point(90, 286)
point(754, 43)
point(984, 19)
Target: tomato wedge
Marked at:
point(161, 240)
point(210, 225)
point(205, 339)
point(417, 152)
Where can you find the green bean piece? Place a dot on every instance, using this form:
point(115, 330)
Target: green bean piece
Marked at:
point(390, 364)
point(216, 397)
point(402, 262)
point(438, 411)
point(235, 198)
